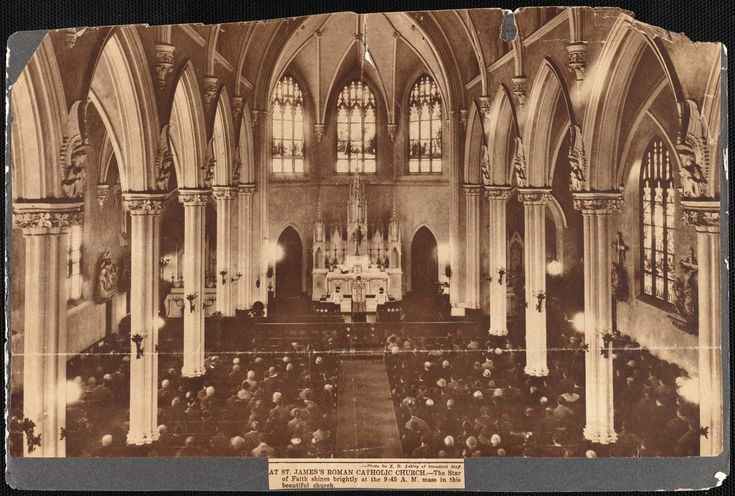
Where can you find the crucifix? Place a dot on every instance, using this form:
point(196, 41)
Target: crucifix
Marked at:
point(618, 280)
point(358, 239)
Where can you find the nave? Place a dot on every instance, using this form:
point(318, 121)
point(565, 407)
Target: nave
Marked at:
point(441, 393)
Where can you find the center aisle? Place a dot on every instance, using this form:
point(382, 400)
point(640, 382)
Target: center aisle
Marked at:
point(367, 423)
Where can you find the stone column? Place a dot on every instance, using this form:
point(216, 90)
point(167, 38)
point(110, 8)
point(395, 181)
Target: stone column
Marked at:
point(596, 209)
point(45, 229)
point(145, 214)
point(534, 204)
point(705, 217)
point(472, 255)
point(497, 196)
point(195, 202)
point(245, 249)
point(224, 197)
point(453, 138)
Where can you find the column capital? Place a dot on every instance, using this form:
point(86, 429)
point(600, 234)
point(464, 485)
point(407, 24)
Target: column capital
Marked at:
point(194, 197)
point(47, 216)
point(493, 192)
point(144, 203)
point(246, 189)
point(224, 192)
point(472, 189)
point(483, 103)
point(534, 196)
point(703, 215)
point(598, 201)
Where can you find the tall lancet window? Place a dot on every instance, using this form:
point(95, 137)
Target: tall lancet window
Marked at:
point(425, 127)
point(74, 269)
point(657, 222)
point(287, 149)
point(356, 143)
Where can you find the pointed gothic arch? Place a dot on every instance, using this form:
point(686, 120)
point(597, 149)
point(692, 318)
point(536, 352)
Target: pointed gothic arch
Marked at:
point(122, 91)
point(188, 131)
point(424, 261)
point(37, 129)
point(223, 137)
point(548, 88)
point(290, 264)
point(621, 54)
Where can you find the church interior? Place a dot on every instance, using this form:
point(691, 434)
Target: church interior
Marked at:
point(414, 234)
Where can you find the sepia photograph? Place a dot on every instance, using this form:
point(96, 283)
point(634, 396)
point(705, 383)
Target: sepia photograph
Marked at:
point(410, 236)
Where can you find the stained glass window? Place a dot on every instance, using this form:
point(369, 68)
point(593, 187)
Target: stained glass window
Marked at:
point(287, 149)
point(657, 222)
point(424, 127)
point(356, 144)
point(74, 272)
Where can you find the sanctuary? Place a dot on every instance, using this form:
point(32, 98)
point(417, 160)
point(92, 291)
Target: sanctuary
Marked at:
point(356, 251)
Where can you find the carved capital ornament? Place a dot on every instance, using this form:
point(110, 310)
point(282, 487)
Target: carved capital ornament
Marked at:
point(47, 217)
point(604, 202)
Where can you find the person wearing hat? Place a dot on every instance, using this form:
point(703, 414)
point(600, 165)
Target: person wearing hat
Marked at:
point(296, 426)
point(295, 448)
point(236, 374)
point(470, 448)
point(190, 448)
point(411, 438)
point(424, 450)
point(106, 447)
point(165, 394)
point(449, 450)
point(263, 450)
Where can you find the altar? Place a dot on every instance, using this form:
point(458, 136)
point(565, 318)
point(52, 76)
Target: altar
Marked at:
point(338, 260)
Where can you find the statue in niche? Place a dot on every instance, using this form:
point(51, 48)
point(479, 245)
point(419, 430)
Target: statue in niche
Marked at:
point(577, 161)
point(165, 170)
point(519, 164)
point(619, 276)
point(75, 172)
point(485, 165)
point(686, 292)
point(107, 278)
point(691, 175)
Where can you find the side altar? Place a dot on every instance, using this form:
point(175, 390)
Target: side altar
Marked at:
point(356, 251)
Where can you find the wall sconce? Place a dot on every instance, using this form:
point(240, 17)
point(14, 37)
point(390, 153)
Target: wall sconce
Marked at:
point(607, 340)
point(191, 297)
point(138, 340)
point(501, 273)
point(236, 278)
point(540, 297)
point(209, 302)
point(223, 273)
point(32, 439)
